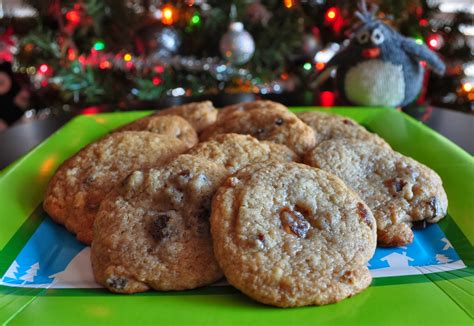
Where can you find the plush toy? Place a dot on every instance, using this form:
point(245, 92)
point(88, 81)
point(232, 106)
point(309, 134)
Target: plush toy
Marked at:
point(380, 67)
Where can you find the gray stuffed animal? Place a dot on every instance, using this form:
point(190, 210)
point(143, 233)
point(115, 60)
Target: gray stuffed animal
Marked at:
point(380, 67)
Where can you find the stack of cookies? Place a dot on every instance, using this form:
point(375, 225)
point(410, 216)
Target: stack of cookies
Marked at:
point(289, 208)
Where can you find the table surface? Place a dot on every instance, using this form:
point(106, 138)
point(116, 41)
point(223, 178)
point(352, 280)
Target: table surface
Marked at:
point(18, 140)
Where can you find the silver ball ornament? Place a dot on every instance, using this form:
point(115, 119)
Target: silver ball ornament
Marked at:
point(237, 45)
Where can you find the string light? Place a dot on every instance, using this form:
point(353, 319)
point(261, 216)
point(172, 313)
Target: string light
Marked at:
point(434, 41)
point(127, 57)
point(331, 14)
point(320, 66)
point(29, 47)
point(418, 40)
point(73, 16)
point(105, 64)
point(167, 15)
point(288, 3)
point(156, 81)
point(195, 19)
point(467, 87)
point(159, 69)
point(99, 46)
point(43, 69)
point(90, 110)
point(307, 66)
point(424, 22)
point(327, 98)
point(71, 54)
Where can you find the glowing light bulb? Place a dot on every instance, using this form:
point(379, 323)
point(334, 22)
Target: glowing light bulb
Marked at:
point(331, 14)
point(195, 20)
point(99, 46)
point(167, 15)
point(156, 81)
point(43, 68)
point(467, 87)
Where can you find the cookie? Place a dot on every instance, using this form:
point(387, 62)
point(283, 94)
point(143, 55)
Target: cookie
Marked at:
point(227, 111)
point(332, 126)
point(234, 151)
point(399, 190)
point(199, 114)
point(287, 234)
point(273, 125)
point(77, 188)
point(153, 232)
point(171, 125)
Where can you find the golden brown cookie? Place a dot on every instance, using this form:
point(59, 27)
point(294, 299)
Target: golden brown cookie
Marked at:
point(399, 190)
point(332, 126)
point(234, 151)
point(77, 188)
point(290, 235)
point(153, 232)
point(171, 125)
point(273, 125)
point(199, 114)
point(227, 111)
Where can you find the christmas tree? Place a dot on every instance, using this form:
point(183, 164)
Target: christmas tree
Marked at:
point(78, 53)
point(30, 273)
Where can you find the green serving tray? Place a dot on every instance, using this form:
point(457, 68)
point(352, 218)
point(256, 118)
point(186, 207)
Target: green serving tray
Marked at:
point(440, 298)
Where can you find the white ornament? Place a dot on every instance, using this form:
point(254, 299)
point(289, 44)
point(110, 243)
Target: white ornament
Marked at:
point(237, 45)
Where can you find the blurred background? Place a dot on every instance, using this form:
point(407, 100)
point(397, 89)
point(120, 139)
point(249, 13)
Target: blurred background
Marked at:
point(87, 56)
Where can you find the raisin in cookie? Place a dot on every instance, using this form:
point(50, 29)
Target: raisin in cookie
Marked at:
point(153, 232)
point(235, 151)
point(228, 111)
point(199, 114)
point(75, 191)
point(287, 234)
point(399, 190)
point(333, 126)
point(273, 125)
point(171, 125)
